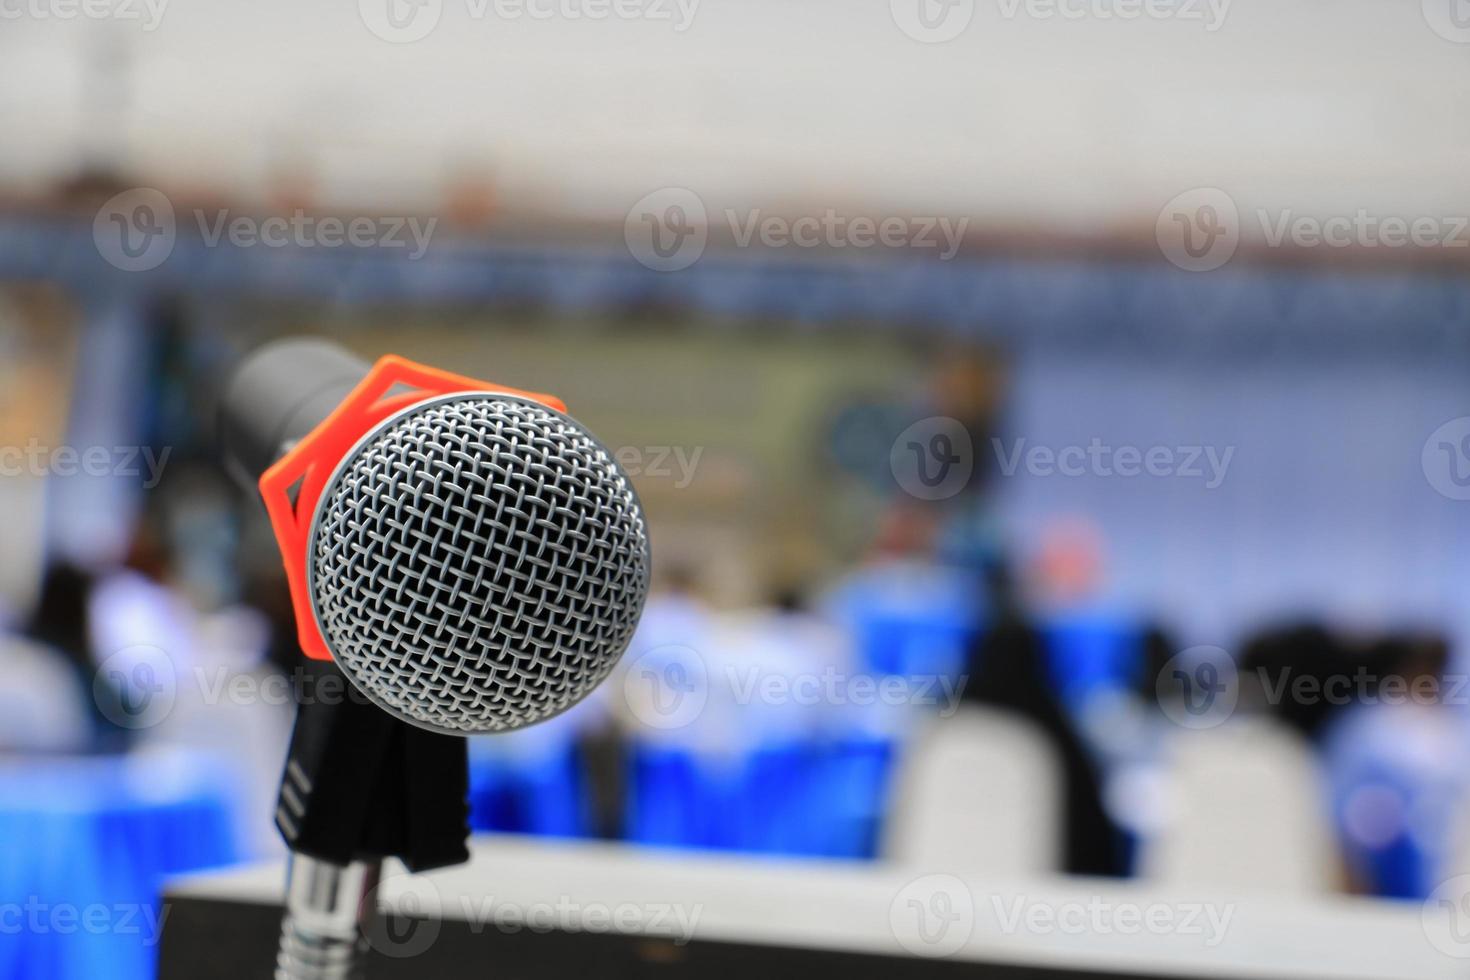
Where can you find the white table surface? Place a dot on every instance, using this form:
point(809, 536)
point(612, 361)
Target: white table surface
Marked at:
point(861, 907)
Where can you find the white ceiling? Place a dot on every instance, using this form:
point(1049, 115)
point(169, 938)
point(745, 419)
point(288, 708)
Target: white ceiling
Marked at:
point(1078, 125)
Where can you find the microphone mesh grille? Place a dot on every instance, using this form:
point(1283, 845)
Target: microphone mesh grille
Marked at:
point(478, 563)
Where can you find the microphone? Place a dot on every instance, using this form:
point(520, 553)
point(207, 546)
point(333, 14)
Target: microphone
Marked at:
point(466, 555)
point(474, 559)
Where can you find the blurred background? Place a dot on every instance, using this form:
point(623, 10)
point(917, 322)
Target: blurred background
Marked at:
point(1053, 420)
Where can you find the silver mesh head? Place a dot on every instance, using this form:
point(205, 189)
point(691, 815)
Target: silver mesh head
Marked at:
point(478, 563)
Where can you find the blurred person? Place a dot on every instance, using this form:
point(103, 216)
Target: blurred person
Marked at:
point(1103, 662)
point(44, 706)
point(809, 654)
point(634, 784)
point(1067, 568)
point(969, 384)
point(730, 717)
point(263, 588)
point(1394, 761)
point(560, 777)
point(60, 625)
point(855, 734)
point(909, 617)
point(760, 732)
point(908, 612)
point(673, 635)
point(675, 611)
point(1009, 670)
point(1095, 647)
point(232, 710)
point(1129, 737)
point(1276, 660)
point(140, 630)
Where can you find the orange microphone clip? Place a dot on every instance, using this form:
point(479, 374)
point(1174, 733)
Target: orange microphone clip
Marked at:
point(307, 466)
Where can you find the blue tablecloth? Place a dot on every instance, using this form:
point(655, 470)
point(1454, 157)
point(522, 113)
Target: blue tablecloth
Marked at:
point(823, 799)
point(84, 847)
point(545, 795)
point(1091, 652)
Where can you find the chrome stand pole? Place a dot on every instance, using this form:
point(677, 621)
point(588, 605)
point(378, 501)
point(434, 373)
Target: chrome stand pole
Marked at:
point(327, 908)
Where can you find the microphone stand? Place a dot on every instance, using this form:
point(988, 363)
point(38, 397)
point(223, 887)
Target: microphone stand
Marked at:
point(359, 786)
point(328, 910)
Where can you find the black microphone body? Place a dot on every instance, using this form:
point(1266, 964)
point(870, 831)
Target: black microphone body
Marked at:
point(463, 558)
point(358, 784)
point(276, 396)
